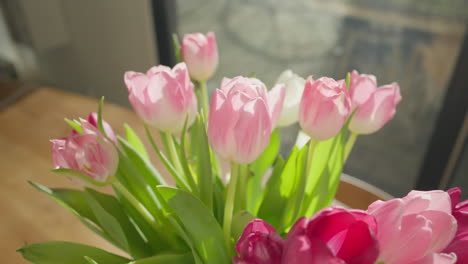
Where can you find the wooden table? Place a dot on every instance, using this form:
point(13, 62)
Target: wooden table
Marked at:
point(28, 216)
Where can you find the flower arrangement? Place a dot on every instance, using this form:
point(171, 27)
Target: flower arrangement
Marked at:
point(262, 208)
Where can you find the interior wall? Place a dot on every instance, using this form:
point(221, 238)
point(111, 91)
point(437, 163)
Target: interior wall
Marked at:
point(86, 46)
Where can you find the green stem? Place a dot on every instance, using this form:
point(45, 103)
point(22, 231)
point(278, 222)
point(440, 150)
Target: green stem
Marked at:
point(172, 152)
point(228, 209)
point(136, 204)
point(349, 145)
point(204, 98)
point(310, 155)
point(242, 189)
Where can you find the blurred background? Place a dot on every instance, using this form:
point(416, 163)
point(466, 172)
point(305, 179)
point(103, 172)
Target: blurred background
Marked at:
point(85, 47)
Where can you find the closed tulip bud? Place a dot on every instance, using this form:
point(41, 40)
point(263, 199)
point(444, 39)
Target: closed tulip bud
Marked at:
point(377, 110)
point(259, 244)
point(163, 97)
point(324, 107)
point(294, 85)
point(333, 235)
point(200, 52)
point(89, 153)
point(415, 229)
point(242, 116)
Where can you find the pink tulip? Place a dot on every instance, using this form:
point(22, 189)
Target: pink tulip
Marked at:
point(93, 120)
point(89, 153)
point(377, 110)
point(259, 244)
point(163, 97)
point(333, 235)
point(459, 244)
point(200, 52)
point(242, 116)
point(324, 107)
point(415, 229)
point(361, 87)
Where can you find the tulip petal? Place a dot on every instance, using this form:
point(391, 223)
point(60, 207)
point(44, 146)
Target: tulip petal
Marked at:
point(438, 259)
point(359, 245)
point(275, 101)
point(443, 228)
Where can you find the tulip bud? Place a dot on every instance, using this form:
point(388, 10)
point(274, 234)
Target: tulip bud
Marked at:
point(259, 244)
point(361, 87)
point(93, 120)
point(324, 107)
point(333, 235)
point(294, 85)
point(163, 97)
point(242, 116)
point(200, 52)
point(377, 110)
point(460, 211)
point(89, 153)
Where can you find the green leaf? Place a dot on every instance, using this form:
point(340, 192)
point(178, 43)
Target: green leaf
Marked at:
point(81, 177)
point(75, 125)
point(90, 260)
point(58, 252)
point(75, 202)
point(348, 80)
point(177, 51)
point(259, 168)
point(204, 167)
point(199, 225)
point(116, 223)
point(274, 200)
point(142, 165)
point(166, 259)
point(135, 141)
point(99, 121)
point(239, 222)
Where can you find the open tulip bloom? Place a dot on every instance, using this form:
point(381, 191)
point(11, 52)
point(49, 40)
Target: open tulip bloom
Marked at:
point(235, 198)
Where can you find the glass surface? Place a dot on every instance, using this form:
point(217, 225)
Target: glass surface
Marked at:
point(412, 42)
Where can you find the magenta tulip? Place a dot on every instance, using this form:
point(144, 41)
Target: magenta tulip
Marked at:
point(259, 244)
point(200, 52)
point(163, 97)
point(89, 153)
point(93, 120)
point(377, 110)
point(361, 87)
point(242, 116)
point(324, 107)
point(415, 229)
point(459, 244)
point(333, 235)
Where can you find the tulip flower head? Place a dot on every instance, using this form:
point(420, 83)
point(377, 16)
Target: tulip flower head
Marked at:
point(259, 244)
point(294, 85)
point(375, 106)
point(415, 229)
point(333, 235)
point(459, 244)
point(242, 116)
point(163, 97)
point(90, 153)
point(200, 53)
point(93, 120)
point(324, 107)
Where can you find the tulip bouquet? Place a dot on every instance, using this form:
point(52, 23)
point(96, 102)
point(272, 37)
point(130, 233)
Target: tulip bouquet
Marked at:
point(235, 198)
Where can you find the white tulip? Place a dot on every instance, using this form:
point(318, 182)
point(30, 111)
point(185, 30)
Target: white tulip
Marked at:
point(294, 88)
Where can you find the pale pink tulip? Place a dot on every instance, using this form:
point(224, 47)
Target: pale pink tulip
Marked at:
point(200, 52)
point(259, 244)
point(163, 97)
point(324, 107)
point(377, 110)
point(333, 235)
point(294, 88)
point(361, 87)
point(415, 229)
point(242, 116)
point(89, 153)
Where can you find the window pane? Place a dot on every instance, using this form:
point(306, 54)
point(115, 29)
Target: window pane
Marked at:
point(412, 42)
